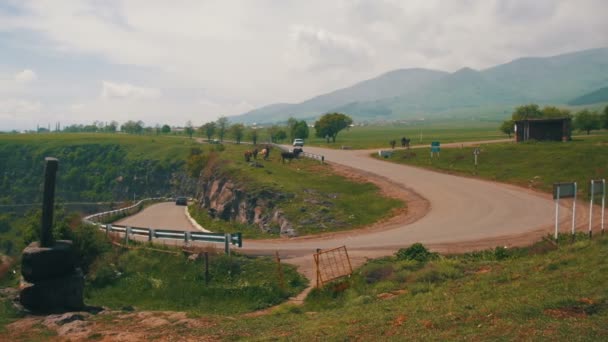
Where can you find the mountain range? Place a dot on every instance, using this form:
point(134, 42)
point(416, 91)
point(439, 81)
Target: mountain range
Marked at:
point(422, 93)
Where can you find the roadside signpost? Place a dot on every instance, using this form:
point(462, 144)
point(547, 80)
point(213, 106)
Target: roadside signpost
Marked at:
point(564, 190)
point(597, 187)
point(476, 152)
point(435, 148)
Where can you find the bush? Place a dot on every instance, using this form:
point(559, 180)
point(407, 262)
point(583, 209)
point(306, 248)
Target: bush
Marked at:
point(376, 272)
point(416, 252)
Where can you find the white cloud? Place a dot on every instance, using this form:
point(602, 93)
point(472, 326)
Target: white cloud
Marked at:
point(111, 90)
point(242, 53)
point(13, 108)
point(26, 76)
point(318, 49)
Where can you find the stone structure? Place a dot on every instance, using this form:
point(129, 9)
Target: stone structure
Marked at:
point(51, 280)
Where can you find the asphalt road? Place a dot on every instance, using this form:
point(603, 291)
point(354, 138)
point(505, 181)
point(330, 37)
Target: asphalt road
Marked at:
point(165, 215)
point(461, 210)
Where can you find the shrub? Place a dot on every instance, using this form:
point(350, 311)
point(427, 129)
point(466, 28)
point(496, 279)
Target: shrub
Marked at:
point(377, 272)
point(416, 252)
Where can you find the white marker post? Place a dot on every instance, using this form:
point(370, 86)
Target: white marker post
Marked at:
point(557, 213)
point(600, 189)
point(573, 210)
point(564, 190)
point(603, 203)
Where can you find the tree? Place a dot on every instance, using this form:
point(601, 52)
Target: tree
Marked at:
point(291, 124)
point(300, 130)
point(605, 118)
point(132, 127)
point(222, 126)
point(507, 127)
point(189, 130)
point(276, 133)
point(208, 129)
point(237, 130)
point(254, 136)
point(529, 111)
point(330, 124)
point(554, 112)
point(111, 127)
point(166, 129)
point(587, 121)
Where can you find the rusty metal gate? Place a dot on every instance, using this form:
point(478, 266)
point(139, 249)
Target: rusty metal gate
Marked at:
point(332, 264)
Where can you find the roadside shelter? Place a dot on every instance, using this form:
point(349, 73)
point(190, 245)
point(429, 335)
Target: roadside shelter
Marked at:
point(553, 129)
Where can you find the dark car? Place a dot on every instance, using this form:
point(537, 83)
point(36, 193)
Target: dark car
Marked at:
point(181, 201)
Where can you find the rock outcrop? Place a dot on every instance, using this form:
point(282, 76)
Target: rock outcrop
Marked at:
point(225, 199)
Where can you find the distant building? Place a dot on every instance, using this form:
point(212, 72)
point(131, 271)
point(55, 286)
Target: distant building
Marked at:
point(553, 129)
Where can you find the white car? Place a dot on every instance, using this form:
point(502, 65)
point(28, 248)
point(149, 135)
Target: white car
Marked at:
point(298, 142)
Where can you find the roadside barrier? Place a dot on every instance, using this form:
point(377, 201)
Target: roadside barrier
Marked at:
point(226, 239)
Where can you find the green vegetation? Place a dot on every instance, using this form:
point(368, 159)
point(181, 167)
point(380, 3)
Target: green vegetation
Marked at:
point(539, 292)
point(310, 195)
point(93, 167)
point(330, 124)
point(152, 280)
point(420, 133)
point(535, 165)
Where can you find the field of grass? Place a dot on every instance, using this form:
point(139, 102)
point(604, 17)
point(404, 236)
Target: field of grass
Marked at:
point(378, 136)
point(152, 280)
point(537, 293)
point(165, 148)
point(536, 165)
point(314, 199)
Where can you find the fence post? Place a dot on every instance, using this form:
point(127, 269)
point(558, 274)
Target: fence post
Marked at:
point(206, 268)
point(108, 229)
point(150, 234)
point(227, 244)
point(281, 278)
point(187, 237)
point(127, 231)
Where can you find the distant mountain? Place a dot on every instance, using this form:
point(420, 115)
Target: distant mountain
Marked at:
point(416, 93)
point(390, 84)
point(600, 95)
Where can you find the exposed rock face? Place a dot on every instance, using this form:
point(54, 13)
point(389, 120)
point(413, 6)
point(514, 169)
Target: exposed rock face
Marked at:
point(227, 200)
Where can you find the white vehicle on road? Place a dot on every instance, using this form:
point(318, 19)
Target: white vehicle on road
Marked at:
point(298, 142)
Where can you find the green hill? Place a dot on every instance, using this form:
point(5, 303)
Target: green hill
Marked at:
point(598, 96)
point(419, 93)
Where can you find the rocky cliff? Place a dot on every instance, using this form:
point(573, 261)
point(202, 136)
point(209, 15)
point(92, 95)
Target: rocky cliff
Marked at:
point(225, 199)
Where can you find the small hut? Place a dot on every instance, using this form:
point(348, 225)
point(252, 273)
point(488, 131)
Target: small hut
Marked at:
point(552, 129)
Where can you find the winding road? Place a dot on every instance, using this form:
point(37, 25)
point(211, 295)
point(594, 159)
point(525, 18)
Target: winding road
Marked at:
point(465, 212)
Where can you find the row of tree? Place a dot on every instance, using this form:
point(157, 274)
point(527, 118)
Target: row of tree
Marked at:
point(583, 120)
point(328, 127)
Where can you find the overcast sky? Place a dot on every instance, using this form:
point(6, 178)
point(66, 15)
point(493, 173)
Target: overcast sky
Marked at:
point(76, 61)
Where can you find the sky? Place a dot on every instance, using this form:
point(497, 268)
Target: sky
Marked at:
point(169, 62)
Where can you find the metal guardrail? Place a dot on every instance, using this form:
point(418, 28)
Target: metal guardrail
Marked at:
point(303, 153)
point(186, 236)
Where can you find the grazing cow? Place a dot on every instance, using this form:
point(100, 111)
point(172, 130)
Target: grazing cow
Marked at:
point(393, 143)
point(255, 153)
point(290, 155)
point(248, 155)
point(266, 152)
point(405, 142)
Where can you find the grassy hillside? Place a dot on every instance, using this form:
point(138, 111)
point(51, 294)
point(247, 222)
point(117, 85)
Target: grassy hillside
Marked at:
point(92, 167)
point(597, 96)
point(313, 198)
point(536, 165)
point(536, 293)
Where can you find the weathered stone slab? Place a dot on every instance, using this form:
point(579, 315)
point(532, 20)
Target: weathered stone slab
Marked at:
point(54, 295)
point(40, 263)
